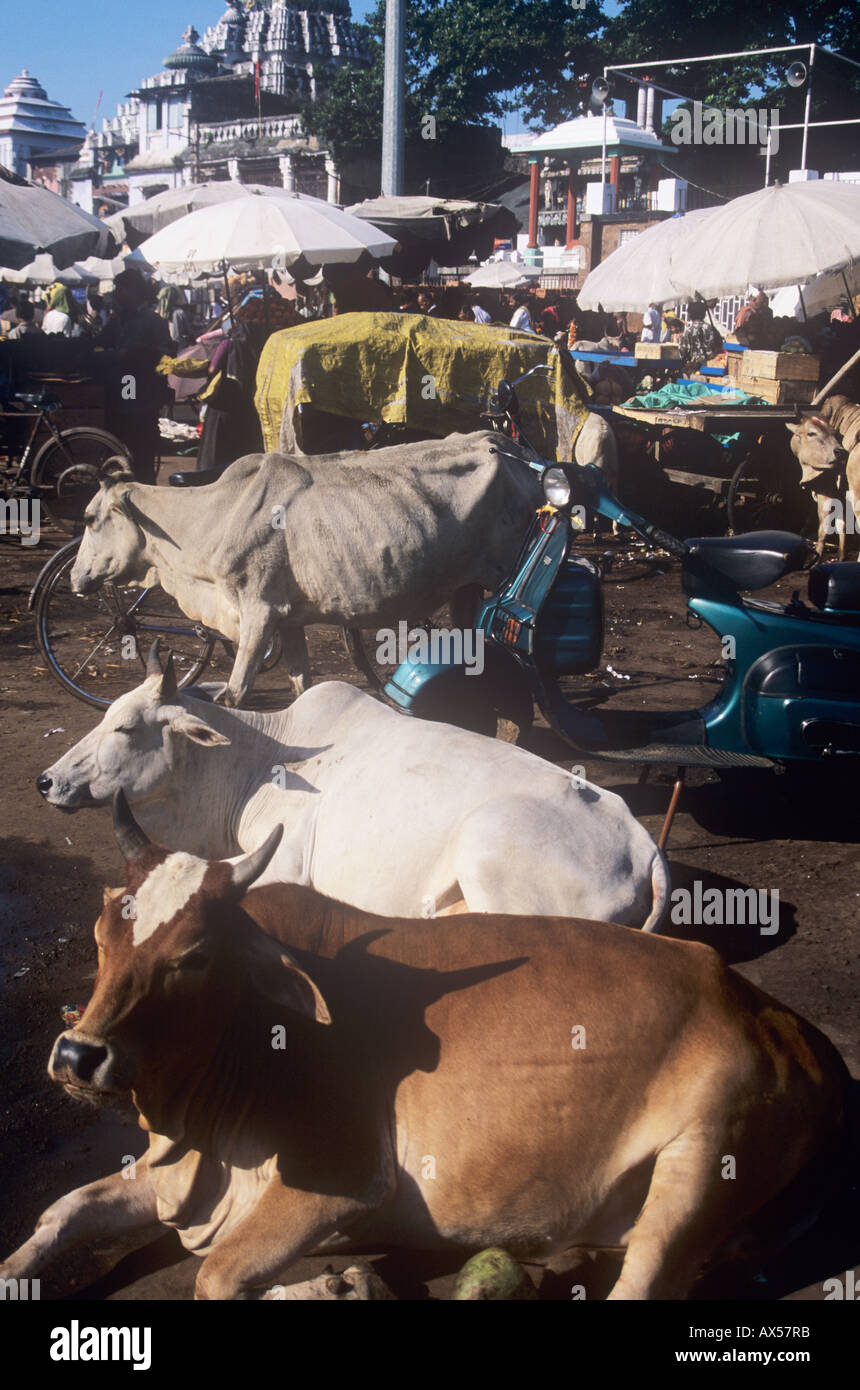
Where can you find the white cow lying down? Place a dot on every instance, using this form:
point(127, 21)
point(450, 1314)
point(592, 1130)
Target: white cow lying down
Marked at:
point(398, 816)
point(276, 544)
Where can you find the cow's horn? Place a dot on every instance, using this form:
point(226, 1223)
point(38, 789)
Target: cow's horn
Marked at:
point(153, 665)
point(129, 836)
point(169, 688)
point(250, 868)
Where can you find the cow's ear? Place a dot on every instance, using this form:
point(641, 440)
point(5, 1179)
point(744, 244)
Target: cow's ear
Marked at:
point(278, 977)
point(194, 729)
point(110, 893)
point(792, 429)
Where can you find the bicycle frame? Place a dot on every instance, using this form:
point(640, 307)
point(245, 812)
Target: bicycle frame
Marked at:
point(12, 472)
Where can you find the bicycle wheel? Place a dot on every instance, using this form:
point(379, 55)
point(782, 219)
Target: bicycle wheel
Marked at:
point(95, 645)
point(66, 472)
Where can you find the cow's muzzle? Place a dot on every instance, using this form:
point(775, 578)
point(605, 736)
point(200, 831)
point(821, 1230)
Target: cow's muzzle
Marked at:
point(86, 1067)
point(63, 797)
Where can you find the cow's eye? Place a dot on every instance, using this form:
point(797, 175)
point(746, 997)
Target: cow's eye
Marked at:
point(192, 960)
point(124, 729)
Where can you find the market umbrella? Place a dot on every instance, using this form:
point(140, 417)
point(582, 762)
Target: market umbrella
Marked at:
point(108, 268)
point(637, 273)
point(33, 220)
point(43, 271)
point(822, 293)
point(502, 275)
point(276, 230)
point(778, 236)
point(144, 219)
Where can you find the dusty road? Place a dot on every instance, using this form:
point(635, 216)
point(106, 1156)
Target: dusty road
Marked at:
point(762, 831)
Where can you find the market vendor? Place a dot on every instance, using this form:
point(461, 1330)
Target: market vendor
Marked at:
point(700, 341)
point(754, 323)
point(136, 339)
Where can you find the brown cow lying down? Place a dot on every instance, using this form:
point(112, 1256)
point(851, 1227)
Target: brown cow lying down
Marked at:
point(316, 1078)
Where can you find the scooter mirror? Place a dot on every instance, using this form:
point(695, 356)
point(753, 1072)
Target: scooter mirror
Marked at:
point(505, 395)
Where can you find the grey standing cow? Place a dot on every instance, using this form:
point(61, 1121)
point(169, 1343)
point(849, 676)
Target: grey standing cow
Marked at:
point(276, 544)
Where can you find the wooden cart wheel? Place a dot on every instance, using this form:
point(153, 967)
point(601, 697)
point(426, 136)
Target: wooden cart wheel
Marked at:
point(764, 495)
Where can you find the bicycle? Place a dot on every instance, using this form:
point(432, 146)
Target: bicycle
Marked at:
point(96, 644)
point(63, 473)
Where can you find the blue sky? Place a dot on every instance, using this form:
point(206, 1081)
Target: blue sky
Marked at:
point(77, 47)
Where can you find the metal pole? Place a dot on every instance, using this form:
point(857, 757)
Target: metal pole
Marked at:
point(393, 99)
point(767, 159)
point(803, 305)
point(603, 154)
point(806, 108)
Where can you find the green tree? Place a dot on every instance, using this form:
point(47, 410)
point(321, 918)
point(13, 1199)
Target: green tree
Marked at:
point(467, 62)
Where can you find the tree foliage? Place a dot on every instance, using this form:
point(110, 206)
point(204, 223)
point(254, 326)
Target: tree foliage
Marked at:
point(467, 62)
point(470, 61)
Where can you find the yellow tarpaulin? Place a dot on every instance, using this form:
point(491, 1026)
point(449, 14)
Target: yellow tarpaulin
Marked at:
point(434, 375)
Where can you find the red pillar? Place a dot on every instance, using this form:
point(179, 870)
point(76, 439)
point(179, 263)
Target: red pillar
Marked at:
point(614, 174)
point(570, 231)
point(534, 176)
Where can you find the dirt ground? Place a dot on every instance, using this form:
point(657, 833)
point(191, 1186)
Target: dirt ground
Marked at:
point(762, 831)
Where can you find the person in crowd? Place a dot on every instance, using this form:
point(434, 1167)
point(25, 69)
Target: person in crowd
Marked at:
point(700, 340)
point(521, 317)
point(754, 323)
point(26, 325)
point(479, 313)
point(231, 426)
point(549, 322)
point(651, 325)
point(135, 340)
point(427, 304)
point(62, 315)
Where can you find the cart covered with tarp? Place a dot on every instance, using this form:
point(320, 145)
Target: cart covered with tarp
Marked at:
point(431, 376)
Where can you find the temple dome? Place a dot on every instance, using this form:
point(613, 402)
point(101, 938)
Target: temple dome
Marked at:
point(26, 86)
point(189, 54)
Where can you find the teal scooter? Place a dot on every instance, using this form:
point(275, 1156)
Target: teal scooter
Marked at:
point(792, 689)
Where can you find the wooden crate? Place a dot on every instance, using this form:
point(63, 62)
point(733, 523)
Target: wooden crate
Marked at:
point(658, 352)
point(734, 361)
point(780, 366)
point(778, 392)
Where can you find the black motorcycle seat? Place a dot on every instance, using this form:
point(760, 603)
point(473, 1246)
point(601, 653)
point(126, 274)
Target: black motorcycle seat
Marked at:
point(748, 562)
point(836, 586)
point(198, 479)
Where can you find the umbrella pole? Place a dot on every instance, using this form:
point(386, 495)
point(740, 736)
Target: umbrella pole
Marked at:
point(265, 286)
point(227, 289)
point(850, 296)
point(803, 305)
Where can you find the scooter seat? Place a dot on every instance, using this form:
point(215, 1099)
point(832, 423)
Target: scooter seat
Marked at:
point(835, 587)
point(746, 562)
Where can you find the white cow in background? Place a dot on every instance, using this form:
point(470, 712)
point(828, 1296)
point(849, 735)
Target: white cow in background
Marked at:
point(276, 544)
point(398, 816)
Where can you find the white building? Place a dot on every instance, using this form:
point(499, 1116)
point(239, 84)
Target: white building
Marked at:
point(31, 125)
point(225, 106)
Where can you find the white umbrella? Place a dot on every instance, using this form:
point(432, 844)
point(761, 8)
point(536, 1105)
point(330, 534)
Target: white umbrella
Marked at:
point(822, 293)
point(274, 231)
point(502, 275)
point(102, 268)
point(33, 220)
point(43, 271)
point(637, 273)
point(778, 236)
point(146, 218)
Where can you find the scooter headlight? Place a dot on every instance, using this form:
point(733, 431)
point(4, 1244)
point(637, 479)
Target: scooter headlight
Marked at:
point(556, 488)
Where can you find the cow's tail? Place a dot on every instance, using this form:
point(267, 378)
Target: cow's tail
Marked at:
point(660, 884)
